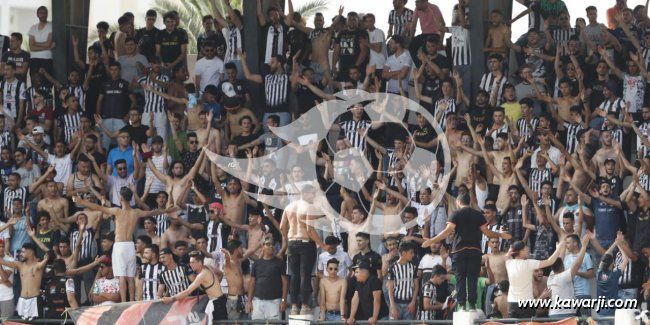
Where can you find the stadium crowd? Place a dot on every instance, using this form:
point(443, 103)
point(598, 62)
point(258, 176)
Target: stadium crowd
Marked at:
point(110, 193)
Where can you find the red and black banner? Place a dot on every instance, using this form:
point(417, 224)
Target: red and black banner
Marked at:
point(188, 311)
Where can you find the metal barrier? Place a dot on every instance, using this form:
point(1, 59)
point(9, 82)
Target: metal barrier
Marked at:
point(380, 322)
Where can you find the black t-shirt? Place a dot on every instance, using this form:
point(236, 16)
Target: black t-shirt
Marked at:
point(116, 100)
point(218, 40)
point(241, 140)
point(94, 86)
point(137, 133)
point(423, 133)
point(306, 98)
point(100, 159)
point(237, 89)
point(366, 298)
point(468, 233)
point(146, 39)
point(372, 258)
point(268, 278)
point(299, 41)
point(480, 115)
point(349, 41)
point(21, 59)
point(170, 43)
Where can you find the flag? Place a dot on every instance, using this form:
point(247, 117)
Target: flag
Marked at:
point(188, 311)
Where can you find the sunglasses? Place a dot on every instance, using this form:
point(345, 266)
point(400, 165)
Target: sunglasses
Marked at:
point(121, 168)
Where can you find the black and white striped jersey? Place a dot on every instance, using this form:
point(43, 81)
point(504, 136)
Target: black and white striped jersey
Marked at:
point(79, 92)
point(152, 101)
point(276, 91)
point(461, 52)
point(444, 107)
point(561, 37)
point(527, 127)
point(88, 249)
point(349, 129)
point(71, 124)
point(9, 195)
point(537, 176)
point(150, 276)
point(176, 279)
point(12, 93)
point(615, 106)
point(404, 277)
point(571, 141)
point(162, 223)
point(233, 37)
point(399, 21)
point(489, 81)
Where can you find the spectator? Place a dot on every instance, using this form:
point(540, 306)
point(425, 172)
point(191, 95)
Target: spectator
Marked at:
point(41, 43)
point(145, 37)
point(267, 295)
point(368, 301)
point(16, 55)
point(171, 43)
point(350, 49)
point(209, 69)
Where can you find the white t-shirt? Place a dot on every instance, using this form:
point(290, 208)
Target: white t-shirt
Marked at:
point(156, 184)
point(428, 262)
point(633, 92)
point(561, 286)
point(520, 275)
point(344, 262)
point(7, 293)
point(40, 36)
point(62, 166)
point(210, 71)
point(396, 63)
point(377, 58)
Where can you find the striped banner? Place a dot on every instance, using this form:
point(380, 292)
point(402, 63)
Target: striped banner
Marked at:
point(188, 311)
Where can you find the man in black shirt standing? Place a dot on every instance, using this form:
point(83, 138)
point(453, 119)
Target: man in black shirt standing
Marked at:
point(18, 56)
point(171, 43)
point(114, 102)
point(268, 285)
point(350, 48)
point(368, 302)
point(145, 37)
point(466, 249)
point(275, 29)
point(370, 257)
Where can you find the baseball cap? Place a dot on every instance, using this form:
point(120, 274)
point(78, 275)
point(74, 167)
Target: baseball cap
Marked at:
point(216, 205)
point(105, 261)
point(362, 265)
point(38, 130)
point(166, 250)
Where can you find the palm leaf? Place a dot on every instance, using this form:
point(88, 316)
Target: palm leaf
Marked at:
point(312, 7)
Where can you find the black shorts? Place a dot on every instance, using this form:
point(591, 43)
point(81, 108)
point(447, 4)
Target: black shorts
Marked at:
point(217, 307)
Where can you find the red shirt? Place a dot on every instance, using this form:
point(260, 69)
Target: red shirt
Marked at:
point(430, 19)
point(46, 113)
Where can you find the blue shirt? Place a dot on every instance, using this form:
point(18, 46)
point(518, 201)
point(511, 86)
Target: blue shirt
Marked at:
point(608, 220)
point(607, 286)
point(20, 236)
point(116, 154)
point(581, 286)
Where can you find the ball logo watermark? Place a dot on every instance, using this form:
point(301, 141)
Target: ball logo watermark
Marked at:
point(350, 170)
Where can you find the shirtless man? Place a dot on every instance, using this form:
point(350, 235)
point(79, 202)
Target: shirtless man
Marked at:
point(395, 203)
point(497, 33)
point(495, 264)
point(123, 256)
point(70, 258)
point(563, 104)
point(233, 257)
point(150, 229)
point(332, 292)
point(504, 177)
point(55, 205)
point(31, 274)
point(235, 112)
point(207, 281)
point(495, 156)
point(605, 152)
point(207, 135)
point(178, 230)
point(321, 38)
point(255, 230)
point(234, 200)
point(176, 182)
point(301, 240)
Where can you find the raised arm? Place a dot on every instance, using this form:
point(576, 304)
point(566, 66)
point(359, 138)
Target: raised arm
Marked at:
point(575, 267)
point(256, 78)
point(603, 54)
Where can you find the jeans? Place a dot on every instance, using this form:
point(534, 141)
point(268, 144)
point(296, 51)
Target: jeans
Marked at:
point(489, 292)
point(628, 293)
point(467, 266)
point(332, 316)
point(266, 309)
point(113, 125)
point(301, 258)
point(403, 311)
point(160, 123)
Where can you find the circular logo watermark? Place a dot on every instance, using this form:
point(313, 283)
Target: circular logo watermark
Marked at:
point(349, 171)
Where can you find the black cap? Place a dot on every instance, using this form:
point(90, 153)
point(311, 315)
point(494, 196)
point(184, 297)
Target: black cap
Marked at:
point(157, 139)
point(166, 250)
point(362, 265)
point(332, 240)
